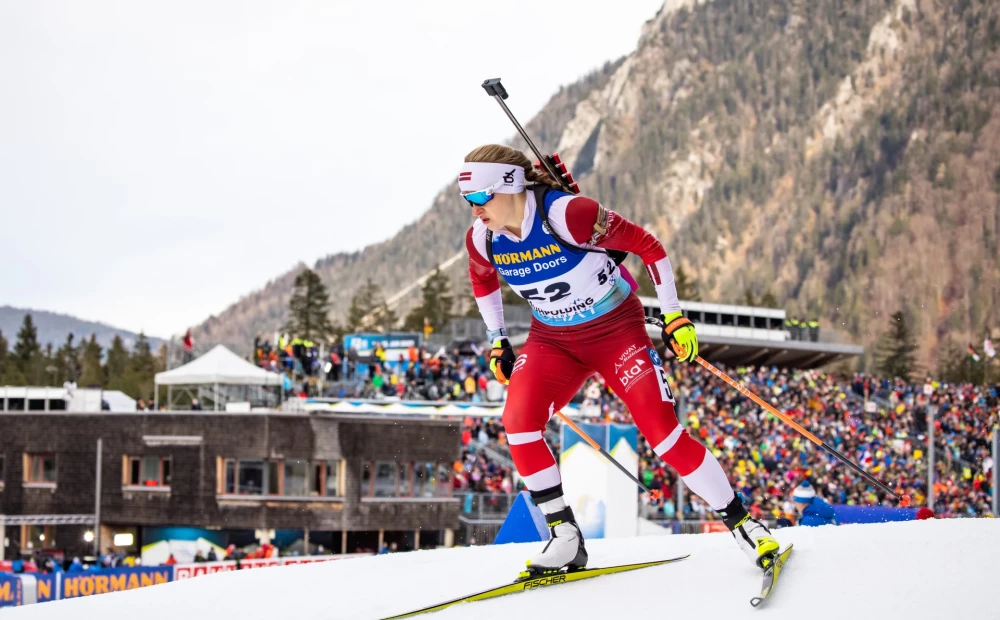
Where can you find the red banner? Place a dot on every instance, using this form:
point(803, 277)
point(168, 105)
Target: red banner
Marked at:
point(186, 571)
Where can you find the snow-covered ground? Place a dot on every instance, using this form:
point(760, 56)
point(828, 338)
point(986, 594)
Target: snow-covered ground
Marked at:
point(913, 570)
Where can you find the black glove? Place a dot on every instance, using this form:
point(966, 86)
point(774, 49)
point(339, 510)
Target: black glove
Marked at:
point(502, 360)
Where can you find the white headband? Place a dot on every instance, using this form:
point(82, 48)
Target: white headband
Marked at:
point(478, 175)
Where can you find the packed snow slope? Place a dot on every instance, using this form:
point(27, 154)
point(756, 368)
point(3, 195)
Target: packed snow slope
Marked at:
point(919, 569)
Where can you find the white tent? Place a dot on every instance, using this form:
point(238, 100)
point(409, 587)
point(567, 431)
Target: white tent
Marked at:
point(220, 366)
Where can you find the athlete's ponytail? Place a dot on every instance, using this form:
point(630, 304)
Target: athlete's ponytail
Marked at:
point(501, 154)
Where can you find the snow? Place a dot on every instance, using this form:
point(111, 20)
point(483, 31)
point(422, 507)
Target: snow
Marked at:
point(916, 569)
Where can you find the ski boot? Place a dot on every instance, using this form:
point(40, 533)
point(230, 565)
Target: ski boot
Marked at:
point(565, 551)
point(752, 536)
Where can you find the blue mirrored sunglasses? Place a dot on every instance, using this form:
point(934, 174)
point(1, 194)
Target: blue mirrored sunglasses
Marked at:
point(481, 197)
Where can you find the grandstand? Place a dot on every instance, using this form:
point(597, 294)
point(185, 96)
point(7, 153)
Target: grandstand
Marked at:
point(734, 335)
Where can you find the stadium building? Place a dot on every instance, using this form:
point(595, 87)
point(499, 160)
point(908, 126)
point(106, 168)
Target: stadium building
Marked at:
point(346, 482)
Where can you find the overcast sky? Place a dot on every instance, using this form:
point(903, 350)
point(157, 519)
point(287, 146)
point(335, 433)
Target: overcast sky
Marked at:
point(160, 159)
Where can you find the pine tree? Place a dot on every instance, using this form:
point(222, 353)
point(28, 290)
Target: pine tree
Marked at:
point(67, 360)
point(309, 308)
point(748, 298)
point(92, 374)
point(47, 363)
point(687, 289)
point(116, 366)
point(27, 351)
point(10, 374)
point(362, 305)
point(896, 351)
point(436, 306)
point(384, 318)
point(5, 360)
point(368, 312)
point(142, 367)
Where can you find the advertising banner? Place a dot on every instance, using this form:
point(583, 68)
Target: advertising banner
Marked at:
point(394, 344)
point(872, 514)
point(11, 593)
point(186, 571)
point(48, 587)
point(113, 580)
point(604, 501)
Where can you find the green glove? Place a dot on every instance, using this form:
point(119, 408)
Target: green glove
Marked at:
point(679, 335)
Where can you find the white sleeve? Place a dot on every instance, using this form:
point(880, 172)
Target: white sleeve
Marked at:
point(483, 277)
point(662, 275)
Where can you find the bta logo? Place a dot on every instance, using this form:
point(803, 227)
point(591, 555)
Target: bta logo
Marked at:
point(631, 373)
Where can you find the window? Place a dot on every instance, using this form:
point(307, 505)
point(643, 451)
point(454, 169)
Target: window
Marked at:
point(297, 478)
point(147, 471)
point(273, 478)
point(424, 480)
point(396, 479)
point(40, 468)
point(280, 477)
point(230, 482)
point(245, 476)
point(250, 477)
point(405, 477)
point(332, 479)
point(385, 479)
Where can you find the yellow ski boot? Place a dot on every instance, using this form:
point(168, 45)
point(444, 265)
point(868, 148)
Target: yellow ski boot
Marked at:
point(752, 536)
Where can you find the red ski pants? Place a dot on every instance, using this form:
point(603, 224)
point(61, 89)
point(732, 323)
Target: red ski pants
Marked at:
point(551, 368)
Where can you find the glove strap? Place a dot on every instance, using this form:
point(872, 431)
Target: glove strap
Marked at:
point(676, 324)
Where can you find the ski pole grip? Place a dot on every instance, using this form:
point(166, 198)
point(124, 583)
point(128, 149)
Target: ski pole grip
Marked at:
point(494, 88)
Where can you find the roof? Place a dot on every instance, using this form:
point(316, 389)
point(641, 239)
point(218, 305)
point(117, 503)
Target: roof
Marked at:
point(218, 366)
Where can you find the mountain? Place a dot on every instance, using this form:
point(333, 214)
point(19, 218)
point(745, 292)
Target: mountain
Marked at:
point(54, 327)
point(840, 154)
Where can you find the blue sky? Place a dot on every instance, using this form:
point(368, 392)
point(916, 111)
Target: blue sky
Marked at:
point(159, 160)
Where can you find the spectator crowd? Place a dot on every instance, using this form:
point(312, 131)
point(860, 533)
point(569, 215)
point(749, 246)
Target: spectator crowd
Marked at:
point(878, 423)
point(461, 374)
point(881, 425)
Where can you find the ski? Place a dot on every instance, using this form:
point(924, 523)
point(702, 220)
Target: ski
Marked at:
point(537, 582)
point(771, 577)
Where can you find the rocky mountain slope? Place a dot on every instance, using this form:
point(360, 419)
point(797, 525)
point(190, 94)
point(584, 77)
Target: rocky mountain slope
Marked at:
point(843, 154)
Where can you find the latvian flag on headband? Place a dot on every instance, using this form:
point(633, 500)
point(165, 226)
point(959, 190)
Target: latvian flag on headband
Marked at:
point(464, 176)
point(972, 352)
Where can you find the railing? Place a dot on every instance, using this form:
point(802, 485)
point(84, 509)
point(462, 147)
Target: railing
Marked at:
point(484, 506)
point(502, 457)
point(481, 515)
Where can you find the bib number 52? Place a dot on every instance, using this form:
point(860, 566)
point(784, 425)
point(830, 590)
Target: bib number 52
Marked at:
point(555, 292)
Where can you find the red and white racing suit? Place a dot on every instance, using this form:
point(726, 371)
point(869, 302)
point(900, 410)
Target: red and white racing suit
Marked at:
point(588, 323)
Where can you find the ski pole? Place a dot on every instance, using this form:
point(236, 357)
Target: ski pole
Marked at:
point(495, 89)
point(903, 500)
point(654, 494)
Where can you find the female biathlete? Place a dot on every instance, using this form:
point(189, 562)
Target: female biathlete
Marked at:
point(586, 319)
